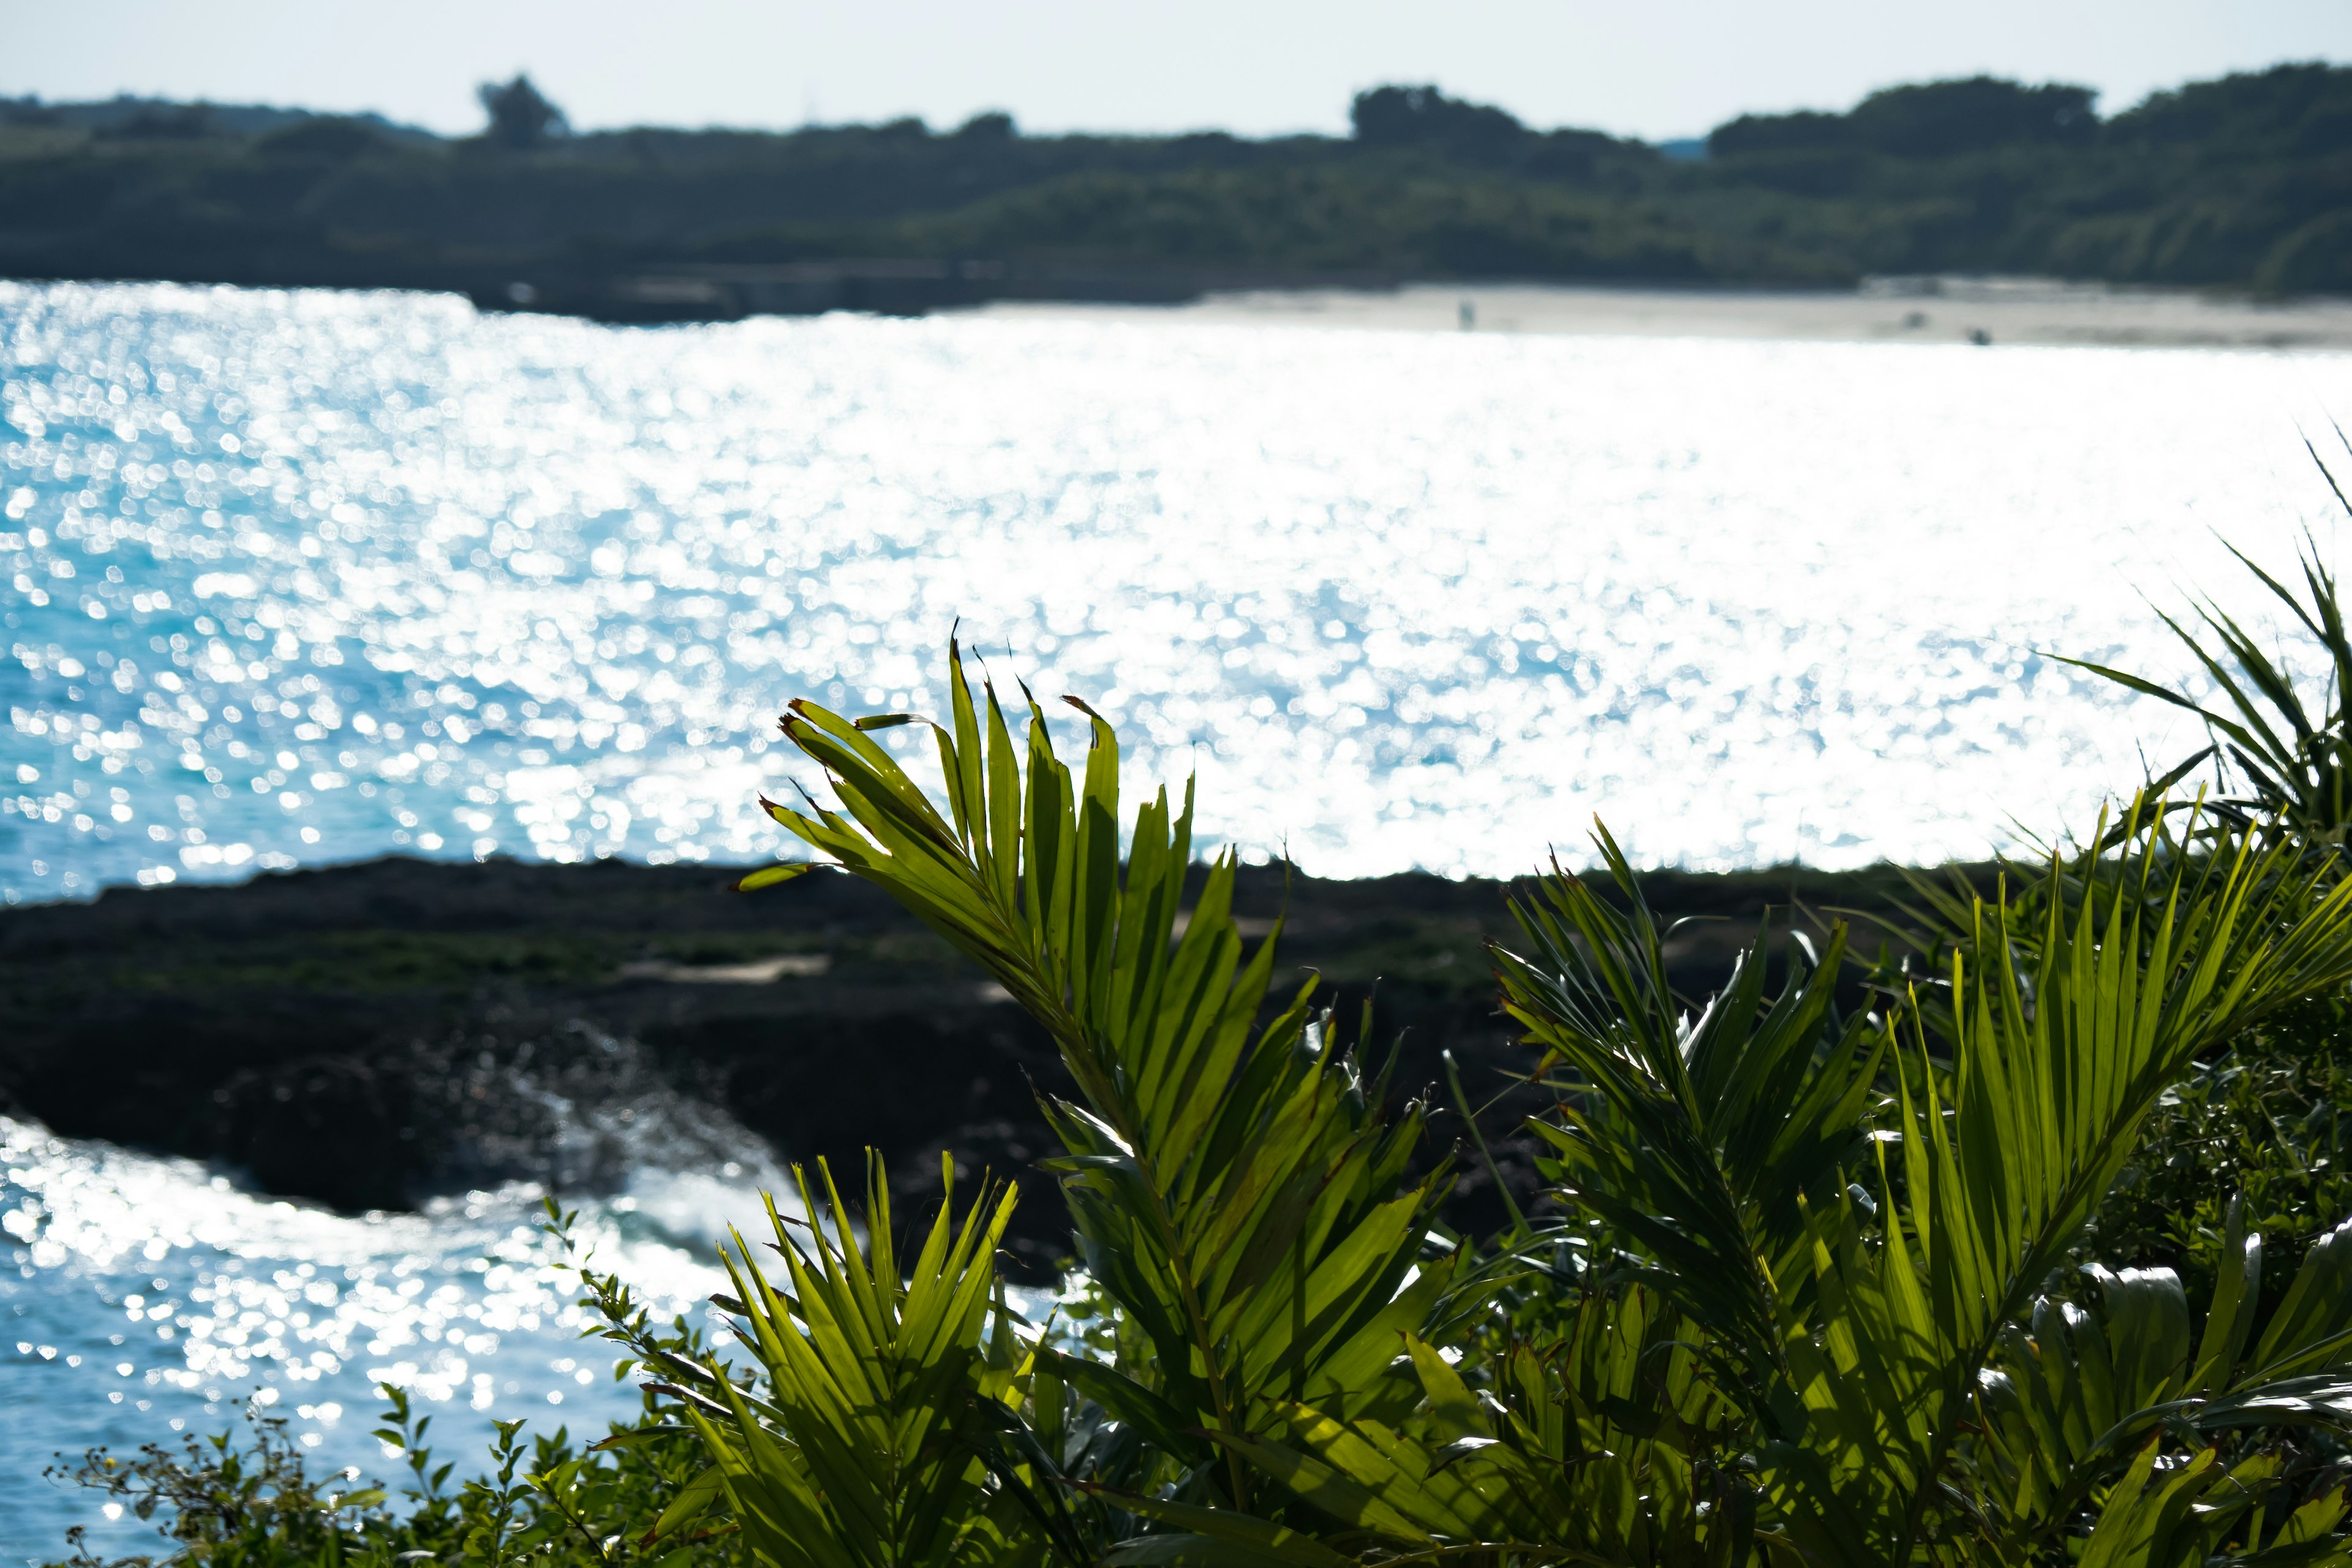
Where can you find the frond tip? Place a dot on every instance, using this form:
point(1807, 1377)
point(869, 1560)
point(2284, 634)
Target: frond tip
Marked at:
point(784, 871)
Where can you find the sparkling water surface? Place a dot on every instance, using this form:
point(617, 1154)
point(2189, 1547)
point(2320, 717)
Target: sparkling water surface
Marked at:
point(147, 1297)
point(305, 577)
point(301, 578)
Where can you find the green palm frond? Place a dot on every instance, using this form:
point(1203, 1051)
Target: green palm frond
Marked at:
point(2061, 1046)
point(1736, 1152)
point(2165, 1514)
point(1602, 1448)
point(1821, 1327)
point(1697, 1137)
point(855, 1446)
point(2077, 1390)
point(2294, 755)
point(1236, 1182)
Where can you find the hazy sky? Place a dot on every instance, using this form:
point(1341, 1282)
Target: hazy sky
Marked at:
point(1659, 69)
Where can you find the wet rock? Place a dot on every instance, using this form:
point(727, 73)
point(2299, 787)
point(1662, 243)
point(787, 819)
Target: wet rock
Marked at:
point(370, 1035)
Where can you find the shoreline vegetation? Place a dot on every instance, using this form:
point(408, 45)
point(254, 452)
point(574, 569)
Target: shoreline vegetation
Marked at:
point(2241, 184)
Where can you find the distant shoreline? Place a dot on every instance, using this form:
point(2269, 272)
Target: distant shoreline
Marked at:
point(2044, 312)
point(2228, 182)
point(1989, 312)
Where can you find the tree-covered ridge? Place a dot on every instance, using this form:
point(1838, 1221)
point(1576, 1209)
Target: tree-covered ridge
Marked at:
point(2244, 182)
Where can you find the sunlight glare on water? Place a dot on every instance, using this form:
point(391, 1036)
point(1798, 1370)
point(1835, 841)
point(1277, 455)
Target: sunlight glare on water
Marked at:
point(309, 578)
point(143, 1297)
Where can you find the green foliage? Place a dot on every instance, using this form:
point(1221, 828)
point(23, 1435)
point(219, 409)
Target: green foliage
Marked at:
point(891, 1418)
point(1237, 1186)
point(2259, 1123)
point(1608, 1444)
point(228, 1502)
point(1409, 217)
point(1933, 119)
point(1871, 1362)
point(2293, 756)
point(2269, 1120)
point(2005, 1151)
point(1699, 1140)
point(254, 1503)
point(854, 1446)
point(1816, 1299)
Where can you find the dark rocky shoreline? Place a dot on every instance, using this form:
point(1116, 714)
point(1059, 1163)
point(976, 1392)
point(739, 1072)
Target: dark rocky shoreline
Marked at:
point(371, 1035)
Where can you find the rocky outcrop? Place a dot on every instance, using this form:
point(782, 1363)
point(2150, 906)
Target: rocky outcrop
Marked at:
point(370, 1034)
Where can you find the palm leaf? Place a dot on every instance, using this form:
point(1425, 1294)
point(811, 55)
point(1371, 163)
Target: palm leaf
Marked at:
point(1237, 1183)
point(855, 1448)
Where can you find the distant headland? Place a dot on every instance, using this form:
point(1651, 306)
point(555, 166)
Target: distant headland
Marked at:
point(2243, 183)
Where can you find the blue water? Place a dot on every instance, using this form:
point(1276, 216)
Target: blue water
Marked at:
point(306, 577)
point(143, 1298)
point(301, 578)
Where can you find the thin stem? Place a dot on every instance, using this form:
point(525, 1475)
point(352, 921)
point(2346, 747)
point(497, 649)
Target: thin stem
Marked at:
point(1519, 1230)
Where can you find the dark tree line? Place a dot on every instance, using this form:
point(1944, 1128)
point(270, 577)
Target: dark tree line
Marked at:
point(2241, 181)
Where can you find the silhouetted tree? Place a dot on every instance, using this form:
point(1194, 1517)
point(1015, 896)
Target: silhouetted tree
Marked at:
point(1803, 130)
point(2292, 111)
point(1938, 119)
point(1424, 117)
point(992, 125)
point(1931, 120)
point(520, 116)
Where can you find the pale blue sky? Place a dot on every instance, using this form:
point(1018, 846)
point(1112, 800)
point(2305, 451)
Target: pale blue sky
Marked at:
point(1659, 69)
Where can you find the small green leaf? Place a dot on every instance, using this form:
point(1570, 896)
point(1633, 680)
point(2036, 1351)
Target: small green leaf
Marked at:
point(691, 1503)
point(769, 876)
point(1220, 1536)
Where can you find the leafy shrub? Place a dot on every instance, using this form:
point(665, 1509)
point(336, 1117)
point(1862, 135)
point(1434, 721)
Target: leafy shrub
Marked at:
point(253, 1502)
point(2270, 1121)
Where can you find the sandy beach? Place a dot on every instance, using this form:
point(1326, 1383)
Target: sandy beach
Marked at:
point(1993, 312)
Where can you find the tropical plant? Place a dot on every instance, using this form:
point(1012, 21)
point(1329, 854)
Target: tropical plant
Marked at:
point(223, 1501)
point(1607, 1443)
point(1829, 1246)
point(1238, 1187)
point(1873, 1281)
point(2269, 1120)
point(2292, 756)
point(227, 1501)
point(854, 1446)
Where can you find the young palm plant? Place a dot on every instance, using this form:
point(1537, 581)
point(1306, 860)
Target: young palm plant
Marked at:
point(2293, 756)
point(1862, 1241)
point(1812, 1306)
point(857, 1444)
point(1238, 1186)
